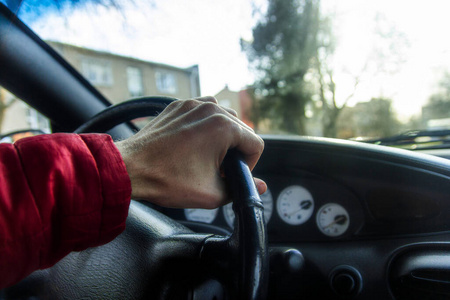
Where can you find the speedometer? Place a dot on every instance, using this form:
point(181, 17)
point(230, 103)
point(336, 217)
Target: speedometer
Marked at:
point(295, 205)
point(201, 215)
point(267, 201)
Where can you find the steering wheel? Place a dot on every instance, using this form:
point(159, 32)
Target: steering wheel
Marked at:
point(165, 253)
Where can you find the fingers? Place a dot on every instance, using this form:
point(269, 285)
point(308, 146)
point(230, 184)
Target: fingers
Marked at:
point(226, 124)
point(201, 111)
point(207, 99)
point(178, 108)
point(214, 100)
point(220, 122)
point(251, 146)
point(261, 186)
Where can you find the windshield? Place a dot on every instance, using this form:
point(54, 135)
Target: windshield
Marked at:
point(345, 69)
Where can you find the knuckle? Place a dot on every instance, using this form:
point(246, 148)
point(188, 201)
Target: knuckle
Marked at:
point(181, 106)
point(209, 108)
point(188, 105)
point(208, 99)
point(232, 111)
point(221, 121)
point(173, 105)
point(261, 145)
point(257, 143)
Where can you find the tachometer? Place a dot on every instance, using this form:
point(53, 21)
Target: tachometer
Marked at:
point(332, 219)
point(201, 215)
point(295, 205)
point(267, 201)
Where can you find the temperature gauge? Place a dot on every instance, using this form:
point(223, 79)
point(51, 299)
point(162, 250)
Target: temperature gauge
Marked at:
point(295, 205)
point(332, 219)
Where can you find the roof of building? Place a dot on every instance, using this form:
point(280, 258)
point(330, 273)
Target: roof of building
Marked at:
point(137, 60)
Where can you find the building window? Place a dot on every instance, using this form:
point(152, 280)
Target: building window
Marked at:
point(134, 77)
point(97, 71)
point(166, 82)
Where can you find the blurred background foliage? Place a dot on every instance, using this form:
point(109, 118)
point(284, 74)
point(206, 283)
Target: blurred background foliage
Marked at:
point(292, 53)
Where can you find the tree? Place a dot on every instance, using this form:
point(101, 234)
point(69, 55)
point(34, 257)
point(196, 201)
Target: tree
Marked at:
point(386, 57)
point(284, 42)
point(438, 106)
point(326, 84)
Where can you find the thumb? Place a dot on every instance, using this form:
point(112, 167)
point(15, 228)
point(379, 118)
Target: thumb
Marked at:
point(261, 186)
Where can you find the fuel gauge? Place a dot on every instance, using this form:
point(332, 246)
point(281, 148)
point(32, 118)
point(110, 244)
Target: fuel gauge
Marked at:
point(332, 219)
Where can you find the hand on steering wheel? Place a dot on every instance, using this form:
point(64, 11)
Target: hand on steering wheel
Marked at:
point(175, 160)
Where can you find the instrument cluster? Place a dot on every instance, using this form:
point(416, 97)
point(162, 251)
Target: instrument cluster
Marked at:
point(304, 208)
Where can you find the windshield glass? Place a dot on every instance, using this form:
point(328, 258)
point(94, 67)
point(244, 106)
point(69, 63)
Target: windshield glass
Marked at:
point(345, 69)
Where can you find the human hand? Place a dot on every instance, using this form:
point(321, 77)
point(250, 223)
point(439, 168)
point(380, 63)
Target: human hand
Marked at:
point(175, 160)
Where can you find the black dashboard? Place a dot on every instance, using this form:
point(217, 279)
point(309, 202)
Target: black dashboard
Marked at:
point(293, 206)
point(350, 192)
point(381, 205)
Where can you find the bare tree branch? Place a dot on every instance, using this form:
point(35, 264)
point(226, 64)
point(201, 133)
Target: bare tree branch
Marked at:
point(350, 96)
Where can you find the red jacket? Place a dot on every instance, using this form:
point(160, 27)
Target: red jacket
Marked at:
point(58, 193)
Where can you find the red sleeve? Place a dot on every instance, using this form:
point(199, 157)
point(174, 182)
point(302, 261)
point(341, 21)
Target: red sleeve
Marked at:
point(58, 193)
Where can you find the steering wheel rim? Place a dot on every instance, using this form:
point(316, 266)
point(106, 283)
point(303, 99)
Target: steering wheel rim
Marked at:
point(246, 248)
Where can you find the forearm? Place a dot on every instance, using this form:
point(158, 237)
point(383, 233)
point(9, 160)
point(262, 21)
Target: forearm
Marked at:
point(59, 193)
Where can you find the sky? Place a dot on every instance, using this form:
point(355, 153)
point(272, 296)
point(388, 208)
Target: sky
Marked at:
point(208, 32)
point(170, 31)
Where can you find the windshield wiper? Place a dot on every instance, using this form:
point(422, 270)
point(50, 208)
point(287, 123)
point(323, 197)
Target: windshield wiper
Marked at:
point(416, 139)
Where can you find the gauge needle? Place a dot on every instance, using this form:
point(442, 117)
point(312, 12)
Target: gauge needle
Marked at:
point(304, 205)
point(338, 220)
